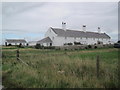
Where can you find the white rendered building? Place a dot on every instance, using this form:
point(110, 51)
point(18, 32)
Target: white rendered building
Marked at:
point(61, 36)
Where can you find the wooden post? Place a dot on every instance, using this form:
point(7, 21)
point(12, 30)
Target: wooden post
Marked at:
point(17, 54)
point(97, 66)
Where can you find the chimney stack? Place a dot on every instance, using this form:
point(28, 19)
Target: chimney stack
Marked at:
point(84, 28)
point(63, 25)
point(99, 31)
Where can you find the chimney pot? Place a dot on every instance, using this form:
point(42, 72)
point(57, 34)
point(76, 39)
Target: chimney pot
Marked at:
point(99, 31)
point(84, 28)
point(64, 25)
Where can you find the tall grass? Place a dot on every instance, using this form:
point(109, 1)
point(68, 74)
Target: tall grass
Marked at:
point(60, 69)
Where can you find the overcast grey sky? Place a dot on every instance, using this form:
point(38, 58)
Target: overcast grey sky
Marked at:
point(31, 20)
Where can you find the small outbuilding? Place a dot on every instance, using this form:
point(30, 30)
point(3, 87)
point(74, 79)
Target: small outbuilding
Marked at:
point(45, 42)
point(15, 42)
point(32, 43)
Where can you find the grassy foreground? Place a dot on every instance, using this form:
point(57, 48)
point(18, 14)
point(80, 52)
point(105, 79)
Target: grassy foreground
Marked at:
point(59, 69)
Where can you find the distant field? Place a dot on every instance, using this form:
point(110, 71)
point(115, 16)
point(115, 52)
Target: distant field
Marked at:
point(59, 68)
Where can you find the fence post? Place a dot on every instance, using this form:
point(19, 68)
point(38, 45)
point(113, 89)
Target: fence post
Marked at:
point(97, 65)
point(17, 54)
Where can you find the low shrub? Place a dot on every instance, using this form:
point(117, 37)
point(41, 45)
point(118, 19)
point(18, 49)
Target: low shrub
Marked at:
point(89, 46)
point(77, 43)
point(68, 44)
point(38, 46)
point(86, 47)
point(49, 47)
point(95, 47)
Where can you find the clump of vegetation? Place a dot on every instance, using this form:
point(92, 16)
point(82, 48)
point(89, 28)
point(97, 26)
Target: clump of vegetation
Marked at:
point(77, 43)
point(89, 46)
point(49, 47)
point(68, 44)
point(95, 47)
point(39, 46)
point(86, 47)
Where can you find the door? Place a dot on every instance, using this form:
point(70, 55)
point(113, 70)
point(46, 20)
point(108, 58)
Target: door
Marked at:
point(50, 44)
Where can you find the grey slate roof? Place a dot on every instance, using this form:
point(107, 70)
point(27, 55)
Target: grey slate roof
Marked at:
point(45, 40)
point(74, 33)
point(15, 41)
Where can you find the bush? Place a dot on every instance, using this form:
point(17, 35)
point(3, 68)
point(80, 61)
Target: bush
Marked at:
point(86, 47)
point(65, 43)
point(89, 46)
point(103, 45)
point(38, 46)
point(95, 47)
point(77, 43)
point(49, 47)
point(70, 44)
point(76, 49)
point(65, 49)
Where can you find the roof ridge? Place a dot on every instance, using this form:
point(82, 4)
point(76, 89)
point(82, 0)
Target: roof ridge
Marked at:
point(78, 30)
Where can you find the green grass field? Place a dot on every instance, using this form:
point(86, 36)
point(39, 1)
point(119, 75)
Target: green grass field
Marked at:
point(59, 68)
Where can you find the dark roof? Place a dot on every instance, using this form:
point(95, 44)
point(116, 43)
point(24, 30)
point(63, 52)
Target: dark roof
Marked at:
point(15, 40)
point(75, 33)
point(45, 40)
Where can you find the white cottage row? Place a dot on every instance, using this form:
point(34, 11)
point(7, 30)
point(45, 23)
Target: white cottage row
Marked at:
point(61, 36)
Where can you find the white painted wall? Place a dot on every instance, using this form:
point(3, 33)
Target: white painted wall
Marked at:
point(32, 43)
point(50, 33)
point(17, 44)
